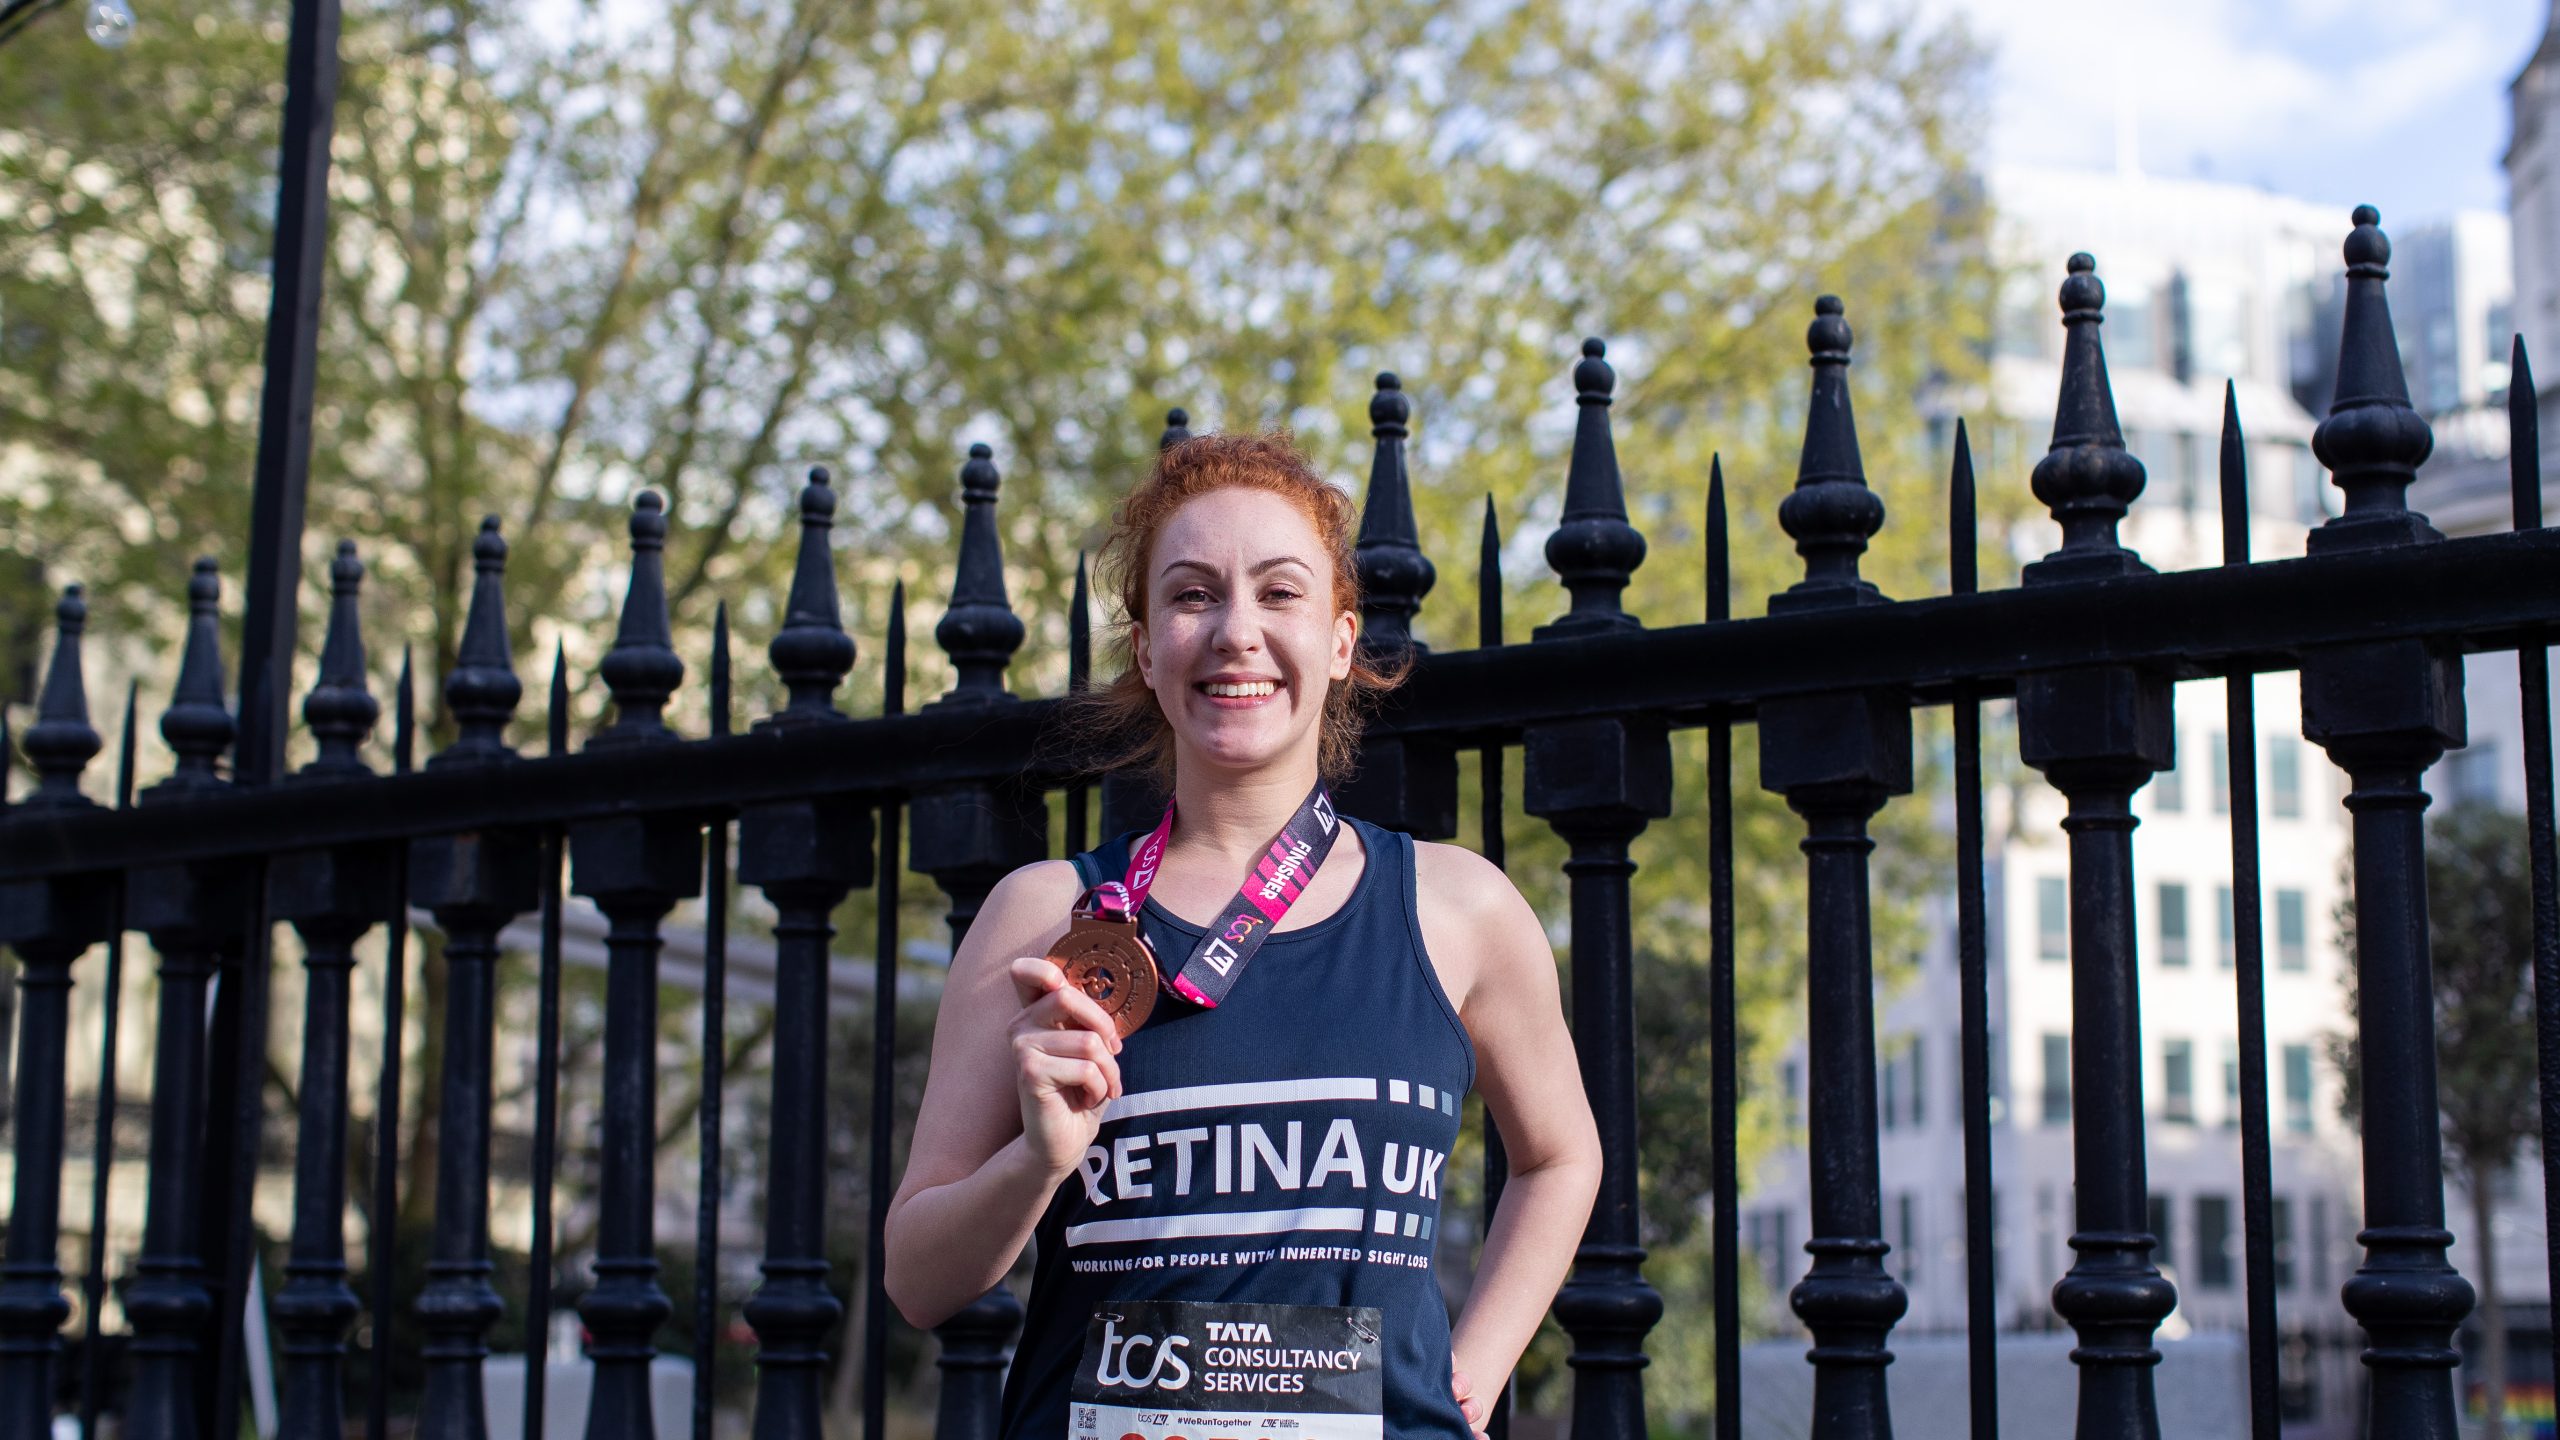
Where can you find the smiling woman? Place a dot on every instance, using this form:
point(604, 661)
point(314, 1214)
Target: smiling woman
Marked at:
point(1246, 485)
point(1221, 1109)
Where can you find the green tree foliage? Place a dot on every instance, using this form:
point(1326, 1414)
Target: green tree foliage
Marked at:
point(2480, 921)
point(699, 245)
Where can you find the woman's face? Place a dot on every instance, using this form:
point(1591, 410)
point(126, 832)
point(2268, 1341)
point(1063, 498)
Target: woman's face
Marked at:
point(1241, 639)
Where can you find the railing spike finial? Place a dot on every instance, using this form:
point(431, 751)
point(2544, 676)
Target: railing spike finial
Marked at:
point(1831, 512)
point(812, 652)
point(642, 669)
point(404, 715)
point(1594, 551)
point(979, 631)
point(2233, 478)
point(2524, 438)
point(721, 722)
point(1489, 578)
point(197, 724)
point(1177, 428)
point(1394, 573)
point(483, 689)
point(893, 653)
point(1719, 545)
point(1963, 565)
point(1080, 629)
point(555, 712)
point(340, 710)
point(2372, 439)
point(2088, 479)
point(62, 741)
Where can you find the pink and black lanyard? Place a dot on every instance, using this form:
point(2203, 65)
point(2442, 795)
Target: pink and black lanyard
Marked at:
point(1275, 884)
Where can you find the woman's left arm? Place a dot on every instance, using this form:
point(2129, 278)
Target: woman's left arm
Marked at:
point(1532, 1087)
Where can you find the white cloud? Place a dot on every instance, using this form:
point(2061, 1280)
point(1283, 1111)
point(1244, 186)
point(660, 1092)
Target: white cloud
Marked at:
point(2287, 92)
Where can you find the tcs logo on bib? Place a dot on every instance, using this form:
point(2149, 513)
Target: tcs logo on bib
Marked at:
point(1122, 1354)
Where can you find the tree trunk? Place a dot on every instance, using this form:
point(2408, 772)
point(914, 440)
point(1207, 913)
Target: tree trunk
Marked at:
point(2493, 1315)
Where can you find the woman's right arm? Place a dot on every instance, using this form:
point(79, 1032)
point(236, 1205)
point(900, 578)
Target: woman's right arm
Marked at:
point(1022, 1066)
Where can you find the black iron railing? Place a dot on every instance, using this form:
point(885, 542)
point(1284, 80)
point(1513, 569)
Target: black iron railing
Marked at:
point(2375, 618)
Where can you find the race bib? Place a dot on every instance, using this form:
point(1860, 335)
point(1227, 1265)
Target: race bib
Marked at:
point(1186, 1370)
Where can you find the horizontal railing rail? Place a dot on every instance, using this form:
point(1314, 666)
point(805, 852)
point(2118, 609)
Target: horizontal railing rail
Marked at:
point(2478, 593)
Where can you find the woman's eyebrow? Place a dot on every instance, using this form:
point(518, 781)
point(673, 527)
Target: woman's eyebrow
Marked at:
point(1259, 566)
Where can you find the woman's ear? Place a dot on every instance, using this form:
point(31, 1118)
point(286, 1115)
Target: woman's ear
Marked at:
point(1346, 643)
point(1141, 653)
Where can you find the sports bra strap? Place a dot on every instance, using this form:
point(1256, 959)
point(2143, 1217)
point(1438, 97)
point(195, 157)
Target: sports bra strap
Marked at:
point(1088, 870)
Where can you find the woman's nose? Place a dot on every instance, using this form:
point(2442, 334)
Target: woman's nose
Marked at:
point(1237, 630)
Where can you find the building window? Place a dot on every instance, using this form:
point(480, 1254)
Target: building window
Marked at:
point(1918, 1078)
point(1909, 1234)
point(1790, 1106)
point(1891, 1077)
point(2057, 1079)
point(2053, 918)
point(2213, 1242)
point(2310, 487)
point(2178, 1081)
point(2226, 950)
point(2221, 761)
point(2230, 1084)
point(2293, 948)
point(2159, 1223)
point(2297, 1089)
point(2133, 347)
point(2470, 774)
point(1768, 1244)
point(2173, 925)
point(2280, 1223)
point(2319, 1266)
point(2169, 787)
point(2284, 777)
point(2190, 452)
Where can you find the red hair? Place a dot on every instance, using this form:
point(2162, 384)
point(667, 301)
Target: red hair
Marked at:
point(1122, 720)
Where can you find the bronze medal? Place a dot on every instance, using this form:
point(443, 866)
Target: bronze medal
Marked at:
point(1109, 961)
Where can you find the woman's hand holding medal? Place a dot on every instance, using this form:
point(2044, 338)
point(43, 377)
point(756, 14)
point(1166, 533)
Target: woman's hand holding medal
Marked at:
point(1066, 1065)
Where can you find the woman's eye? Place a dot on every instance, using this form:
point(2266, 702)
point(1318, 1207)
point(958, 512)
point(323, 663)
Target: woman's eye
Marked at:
point(1189, 595)
point(1282, 594)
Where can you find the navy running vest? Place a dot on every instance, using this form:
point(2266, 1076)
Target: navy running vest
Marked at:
point(1288, 1148)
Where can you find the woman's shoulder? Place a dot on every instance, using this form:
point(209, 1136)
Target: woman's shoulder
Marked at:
point(1038, 884)
point(1456, 875)
point(1026, 909)
point(1462, 901)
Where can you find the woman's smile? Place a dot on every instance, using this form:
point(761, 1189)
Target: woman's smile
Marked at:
point(1235, 692)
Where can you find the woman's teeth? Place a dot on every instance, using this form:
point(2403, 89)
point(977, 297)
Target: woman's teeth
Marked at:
point(1242, 691)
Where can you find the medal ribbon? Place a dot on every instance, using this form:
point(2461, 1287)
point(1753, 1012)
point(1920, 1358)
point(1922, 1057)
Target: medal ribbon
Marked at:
point(1278, 878)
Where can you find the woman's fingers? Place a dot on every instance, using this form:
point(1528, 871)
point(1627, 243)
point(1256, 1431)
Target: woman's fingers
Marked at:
point(1468, 1405)
point(1082, 1047)
point(1053, 1003)
point(1034, 976)
point(1085, 1083)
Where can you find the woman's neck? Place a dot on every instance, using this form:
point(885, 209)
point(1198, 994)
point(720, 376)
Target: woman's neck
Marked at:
point(1231, 817)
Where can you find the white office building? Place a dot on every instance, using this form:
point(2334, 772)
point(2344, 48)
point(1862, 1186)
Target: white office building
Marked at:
point(2204, 282)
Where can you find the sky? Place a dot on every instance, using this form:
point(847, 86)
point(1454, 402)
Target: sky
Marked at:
point(2398, 103)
